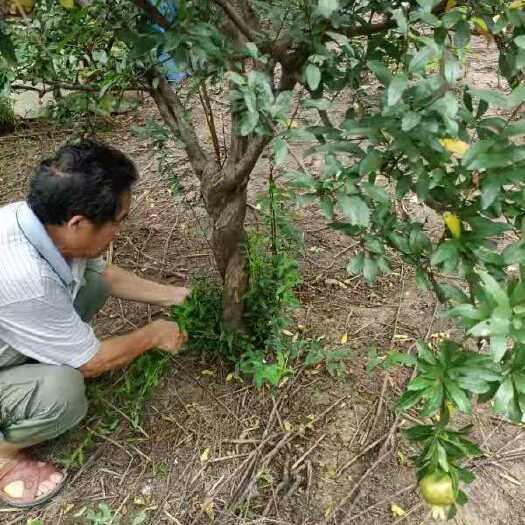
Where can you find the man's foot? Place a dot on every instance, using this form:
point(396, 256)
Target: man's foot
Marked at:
point(26, 482)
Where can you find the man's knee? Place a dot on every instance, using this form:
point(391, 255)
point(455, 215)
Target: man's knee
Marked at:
point(56, 402)
point(64, 394)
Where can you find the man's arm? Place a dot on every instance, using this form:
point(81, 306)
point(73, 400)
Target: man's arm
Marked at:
point(120, 350)
point(126, 285)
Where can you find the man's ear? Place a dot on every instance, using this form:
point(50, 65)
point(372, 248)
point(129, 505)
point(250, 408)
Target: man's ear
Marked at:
point(76, 222)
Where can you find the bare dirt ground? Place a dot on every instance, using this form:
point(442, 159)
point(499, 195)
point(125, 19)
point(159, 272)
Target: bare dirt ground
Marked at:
point(202, 439)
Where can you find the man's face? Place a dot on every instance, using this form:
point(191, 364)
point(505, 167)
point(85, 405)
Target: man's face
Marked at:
point(88, 240)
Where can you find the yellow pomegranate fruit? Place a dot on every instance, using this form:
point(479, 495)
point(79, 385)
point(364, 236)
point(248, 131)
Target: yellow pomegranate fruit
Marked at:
point(436, 489)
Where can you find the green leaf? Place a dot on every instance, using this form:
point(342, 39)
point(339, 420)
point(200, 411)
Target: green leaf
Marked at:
point(421, 59)
point(504, 396)
point(381, 71)
point(313, 76)
point(400, 18)
point(520, 41)
point(395, 358)
point(327, 207)
point(420, 432)
point(458, 397)
point(425, 353)
point(396, 88)
point(452, 68)
point(423, 186)
point(514, 253)
point(371, 163)
point(466, 310)
point(462, 34)
point(433, 403)
point(252, 50)
point(420, 383)
point(249, 121)
point(444, 252)
point(422, 279)
point(498, 347)
point(408, 400)
point(466, 475)
point(370, 269)
point(280, 150)
point(354, 209)
point(376, 193)
point(410, 120)
point(492, 287)
point(494, 98)
point(442, 458)
point(327, 7)
point(373, 359)
point(356, 264)
point(236, 78)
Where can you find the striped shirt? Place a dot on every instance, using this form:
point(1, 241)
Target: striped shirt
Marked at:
point(37, 292)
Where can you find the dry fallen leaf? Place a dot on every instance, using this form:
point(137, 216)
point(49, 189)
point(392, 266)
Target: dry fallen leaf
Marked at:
point(205, 455)
point(344, 339)
point(209, 508)
point(397, 510)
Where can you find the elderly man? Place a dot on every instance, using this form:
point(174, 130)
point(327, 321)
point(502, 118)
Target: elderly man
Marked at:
point(52, 281)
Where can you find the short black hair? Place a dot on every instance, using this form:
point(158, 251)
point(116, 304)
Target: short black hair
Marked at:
point(87, 178)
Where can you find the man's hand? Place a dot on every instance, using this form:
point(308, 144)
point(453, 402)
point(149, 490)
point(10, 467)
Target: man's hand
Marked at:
point(178, 295)
point(170, 337)
point(125, 285)
point(122, 349)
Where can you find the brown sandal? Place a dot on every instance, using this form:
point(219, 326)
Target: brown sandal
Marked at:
point(30, 473)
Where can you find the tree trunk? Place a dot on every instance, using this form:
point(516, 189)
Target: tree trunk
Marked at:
point(227, 211)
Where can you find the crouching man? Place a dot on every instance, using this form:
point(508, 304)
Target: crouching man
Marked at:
point(52, 282)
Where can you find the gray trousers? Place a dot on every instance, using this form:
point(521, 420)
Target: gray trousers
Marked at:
point(39, 402)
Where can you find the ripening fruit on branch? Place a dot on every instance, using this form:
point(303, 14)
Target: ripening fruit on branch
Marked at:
point(437, 491)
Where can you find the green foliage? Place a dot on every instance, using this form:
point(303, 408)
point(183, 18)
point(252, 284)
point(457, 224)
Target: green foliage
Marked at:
point(103, 516)
point(260, 352)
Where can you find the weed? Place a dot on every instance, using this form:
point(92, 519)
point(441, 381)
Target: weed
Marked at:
point(103, 516)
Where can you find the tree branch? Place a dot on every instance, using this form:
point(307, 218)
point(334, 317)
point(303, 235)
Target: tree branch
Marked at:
point(70, 87)
point(174, 114)
point(153, 13)
point(372, 29)
point(242, 169)
point(234, 16)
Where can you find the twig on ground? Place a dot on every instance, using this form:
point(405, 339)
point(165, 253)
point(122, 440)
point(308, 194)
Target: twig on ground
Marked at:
point(127, 418)
point(111, 441)
point(117, 512)
point(361, 454)
point(308, 452)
